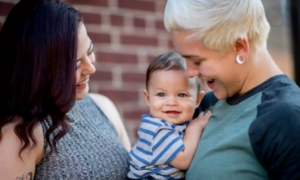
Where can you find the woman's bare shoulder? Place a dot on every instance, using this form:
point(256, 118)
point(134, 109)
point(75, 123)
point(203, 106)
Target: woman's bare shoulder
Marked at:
point(108, 108)
point(13, 164)
point(111, 112)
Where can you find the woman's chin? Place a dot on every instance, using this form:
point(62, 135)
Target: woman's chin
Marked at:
point(82, 93)
point(220, 94)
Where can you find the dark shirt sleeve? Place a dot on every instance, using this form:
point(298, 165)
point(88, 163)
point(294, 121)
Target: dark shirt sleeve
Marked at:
point(275, 139)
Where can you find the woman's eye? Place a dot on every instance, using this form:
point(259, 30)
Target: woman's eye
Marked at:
point(91, 52)
point(197, 63)
point(78, 65)
point(161, 94)
point(182, 95)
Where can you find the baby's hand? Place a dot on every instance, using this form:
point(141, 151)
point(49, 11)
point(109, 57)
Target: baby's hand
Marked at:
point(201, 121)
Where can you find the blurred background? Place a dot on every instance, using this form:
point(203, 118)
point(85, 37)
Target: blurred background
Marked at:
point(128, 34)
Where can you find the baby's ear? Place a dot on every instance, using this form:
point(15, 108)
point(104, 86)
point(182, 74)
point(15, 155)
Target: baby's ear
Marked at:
point(199, 98)
point(146, 95)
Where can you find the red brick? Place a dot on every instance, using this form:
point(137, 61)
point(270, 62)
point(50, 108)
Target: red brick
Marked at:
point(91, 18)
point(121, 95)
point(89, 2)
point(100, 75)
point(135, 114)
point(137, 5)
point(5, 8)
point(135, 40)
point(151, 58)
point(116, 58)
point(171, 46)
point(138, 22)
point(117, 20)
point(135, 77)
point(99, 37)
point(160, 7)
point(160, 25)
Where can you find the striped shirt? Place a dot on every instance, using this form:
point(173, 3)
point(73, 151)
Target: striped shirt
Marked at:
point(158, 144)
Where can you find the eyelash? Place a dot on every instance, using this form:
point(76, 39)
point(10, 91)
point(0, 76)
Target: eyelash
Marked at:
point(158, 94)
point(184, 95)
point(88, 55)
point(91, 52)
point(197, 63)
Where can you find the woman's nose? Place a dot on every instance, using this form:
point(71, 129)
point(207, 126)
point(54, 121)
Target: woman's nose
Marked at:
point(191, 70)
point(89, 66)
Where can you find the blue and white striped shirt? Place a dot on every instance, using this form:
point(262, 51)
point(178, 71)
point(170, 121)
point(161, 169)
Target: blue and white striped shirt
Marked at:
point(158, 144)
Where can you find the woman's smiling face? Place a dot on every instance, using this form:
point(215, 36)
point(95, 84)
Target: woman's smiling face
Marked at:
point(85, 63)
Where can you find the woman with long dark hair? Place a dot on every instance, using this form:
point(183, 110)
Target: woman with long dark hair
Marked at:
point(46, 59)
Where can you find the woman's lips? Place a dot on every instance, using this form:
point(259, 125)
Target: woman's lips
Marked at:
point(82, 84)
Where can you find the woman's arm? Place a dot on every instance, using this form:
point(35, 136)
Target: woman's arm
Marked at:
point(12, 167)
point(275, 140)
point(111, 112)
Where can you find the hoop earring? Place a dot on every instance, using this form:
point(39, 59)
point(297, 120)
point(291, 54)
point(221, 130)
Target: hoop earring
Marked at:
point(240, 59)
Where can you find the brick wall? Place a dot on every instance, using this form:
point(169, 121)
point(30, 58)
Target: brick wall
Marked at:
point(127, 34)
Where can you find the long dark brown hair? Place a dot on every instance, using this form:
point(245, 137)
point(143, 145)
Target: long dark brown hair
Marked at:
point(38, 45)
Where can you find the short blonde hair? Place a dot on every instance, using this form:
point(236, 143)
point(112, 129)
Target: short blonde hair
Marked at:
point(219, 23)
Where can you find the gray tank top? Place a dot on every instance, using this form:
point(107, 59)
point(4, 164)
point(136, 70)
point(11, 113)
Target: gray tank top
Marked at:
point(91, 150)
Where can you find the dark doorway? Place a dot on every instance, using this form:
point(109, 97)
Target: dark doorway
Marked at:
point(294, 8)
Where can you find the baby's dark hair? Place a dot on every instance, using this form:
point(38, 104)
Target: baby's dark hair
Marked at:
point(168, 61)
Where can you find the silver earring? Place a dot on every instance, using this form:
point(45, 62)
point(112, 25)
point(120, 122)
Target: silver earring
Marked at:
point(240, 59)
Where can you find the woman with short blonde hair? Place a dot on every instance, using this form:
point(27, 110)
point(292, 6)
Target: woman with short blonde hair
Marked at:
point(254, 129)
point(50, 126)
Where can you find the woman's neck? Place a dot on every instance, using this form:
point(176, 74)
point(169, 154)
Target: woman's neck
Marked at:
point(262, 68)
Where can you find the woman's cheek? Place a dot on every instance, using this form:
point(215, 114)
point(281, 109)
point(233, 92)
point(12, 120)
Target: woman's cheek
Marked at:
point(77, 76)
point(204, 69)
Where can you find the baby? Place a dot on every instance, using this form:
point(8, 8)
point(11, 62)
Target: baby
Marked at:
point(167, 142)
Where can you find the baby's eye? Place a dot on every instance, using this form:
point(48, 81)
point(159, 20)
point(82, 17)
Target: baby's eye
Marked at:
point(182, 95)
point(161, 94)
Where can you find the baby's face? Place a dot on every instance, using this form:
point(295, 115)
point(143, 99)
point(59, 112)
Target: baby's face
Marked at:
point(172, 96)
